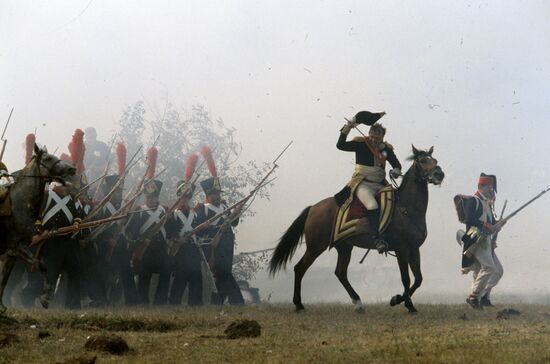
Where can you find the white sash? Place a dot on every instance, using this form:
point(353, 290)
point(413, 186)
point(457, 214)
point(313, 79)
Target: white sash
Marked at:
point(186, 221)
point(154, 217)
point(216, 210)
point(110, 208)
point(59, 204)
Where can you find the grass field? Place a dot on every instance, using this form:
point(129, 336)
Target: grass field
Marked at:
point(327, 333)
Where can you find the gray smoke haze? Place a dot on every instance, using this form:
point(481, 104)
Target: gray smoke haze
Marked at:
point(470, 78)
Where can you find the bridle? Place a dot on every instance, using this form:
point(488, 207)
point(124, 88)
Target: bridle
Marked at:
point(47, 177)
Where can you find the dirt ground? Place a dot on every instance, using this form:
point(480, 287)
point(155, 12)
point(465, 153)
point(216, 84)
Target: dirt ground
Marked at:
point(327, 333)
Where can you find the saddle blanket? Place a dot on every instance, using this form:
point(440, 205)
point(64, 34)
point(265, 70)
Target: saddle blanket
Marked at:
point(347, 218)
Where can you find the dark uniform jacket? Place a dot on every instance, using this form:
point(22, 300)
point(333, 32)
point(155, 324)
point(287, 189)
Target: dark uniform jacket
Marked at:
point(473, 211)
point(363, 155)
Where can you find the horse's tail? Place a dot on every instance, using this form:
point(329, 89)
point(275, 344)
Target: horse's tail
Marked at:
point(288, 243)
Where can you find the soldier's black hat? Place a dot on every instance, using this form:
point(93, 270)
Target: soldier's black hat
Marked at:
point(210, 185)
point(152, 188)
point(108, 183)
point(488, 179)
point(182, 186)
point(367, 117)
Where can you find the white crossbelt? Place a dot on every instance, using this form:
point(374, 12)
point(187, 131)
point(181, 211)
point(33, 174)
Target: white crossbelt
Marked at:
point(154, 217)
point(60, 204)
point(216, 210)
point(186, 221)
point(109, 207)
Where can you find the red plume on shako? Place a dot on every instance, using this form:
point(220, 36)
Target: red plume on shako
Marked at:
point(121, 158)
point(211, 184)
point(30, 139)
point(152, 155)
point(77, 150)
point(207, 155)
point(152, 186)
point(190, 166)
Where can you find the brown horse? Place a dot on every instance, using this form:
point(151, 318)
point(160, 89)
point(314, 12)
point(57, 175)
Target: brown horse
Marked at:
point(405, 234)
point(26, 196)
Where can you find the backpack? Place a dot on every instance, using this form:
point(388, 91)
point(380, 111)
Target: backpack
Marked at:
point(460, 202)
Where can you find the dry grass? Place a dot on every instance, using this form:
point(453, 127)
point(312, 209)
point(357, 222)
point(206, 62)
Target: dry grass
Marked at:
point(324, 333)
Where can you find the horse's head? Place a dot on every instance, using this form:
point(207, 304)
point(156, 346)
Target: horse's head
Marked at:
point(50, 167)
point(425, 166)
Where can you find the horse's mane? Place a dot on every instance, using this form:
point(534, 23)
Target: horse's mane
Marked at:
point(421, 153)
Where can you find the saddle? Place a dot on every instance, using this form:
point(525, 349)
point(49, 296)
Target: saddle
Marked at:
point(350, 219)
point(5, 201)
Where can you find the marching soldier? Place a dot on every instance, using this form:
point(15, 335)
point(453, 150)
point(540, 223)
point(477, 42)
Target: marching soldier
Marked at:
point(188, 256)
point(151, 252)
point(486, 267)
point(371, 154)
point(91, 283)
point(59, 253)
point(220, 257)
point(113, 248)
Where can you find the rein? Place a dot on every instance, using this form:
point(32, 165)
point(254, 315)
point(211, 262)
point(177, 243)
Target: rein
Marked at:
point(47, 178)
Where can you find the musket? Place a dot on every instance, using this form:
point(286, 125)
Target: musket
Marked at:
point(5, 141)
point(526, 204)
point(202, 226)
point(237, 212)
point(126, 206)
point(472, 248)
point(79, 226)
point(83, 189)
point(139, 187)
point(105, 171)
point(146, 240)
point(480, 235)
point(107, 197)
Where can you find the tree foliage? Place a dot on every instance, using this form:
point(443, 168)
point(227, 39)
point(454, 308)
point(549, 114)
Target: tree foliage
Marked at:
point(181, 133)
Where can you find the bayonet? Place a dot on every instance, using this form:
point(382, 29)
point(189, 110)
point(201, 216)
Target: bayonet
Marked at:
point(5, 141)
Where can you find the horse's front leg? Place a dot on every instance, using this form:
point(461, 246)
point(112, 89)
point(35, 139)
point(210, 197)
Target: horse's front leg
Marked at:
point(414, 263)
point(36, 263)
point(7, 261)
point(403, 262)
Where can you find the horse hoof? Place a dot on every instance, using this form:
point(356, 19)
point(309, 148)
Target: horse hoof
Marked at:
point(2, 309)
point(413, 311)
point(360, 309)
point(299, 308)
point(44, 302)
point(395, 300)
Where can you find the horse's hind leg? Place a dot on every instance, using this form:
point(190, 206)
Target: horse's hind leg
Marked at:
point(7, 261)
point(299, 270)
point(344, 256)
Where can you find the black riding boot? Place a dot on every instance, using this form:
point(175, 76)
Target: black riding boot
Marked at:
point(373, 217)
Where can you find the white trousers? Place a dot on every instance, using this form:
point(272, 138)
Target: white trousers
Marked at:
point(487, 272)
point(366, 193)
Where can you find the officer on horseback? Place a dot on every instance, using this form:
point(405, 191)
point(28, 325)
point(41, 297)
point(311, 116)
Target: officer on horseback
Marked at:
point(371, 154)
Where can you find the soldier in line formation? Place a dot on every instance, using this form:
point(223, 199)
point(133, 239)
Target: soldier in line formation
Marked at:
point(115, 262)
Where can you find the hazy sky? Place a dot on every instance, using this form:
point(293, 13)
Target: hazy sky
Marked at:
point(469, 77)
